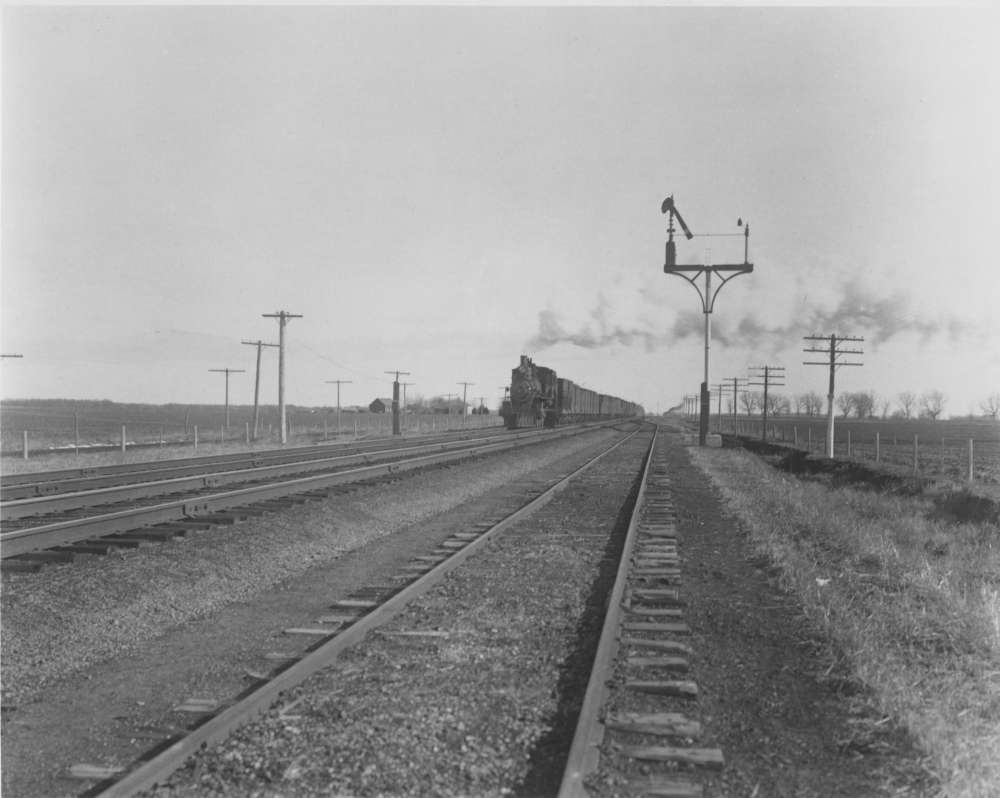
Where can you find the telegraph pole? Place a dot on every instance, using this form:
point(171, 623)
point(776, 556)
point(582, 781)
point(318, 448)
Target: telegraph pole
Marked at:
point(403, 385)
point(736, 388)
point(707, 295)
point(339, 383)
point(256, 385)
point(834, 351)
point(465, 408)
point(282, 316)
point(227, 372)
point(769, 374)
point(718, 392)
point(395, 400)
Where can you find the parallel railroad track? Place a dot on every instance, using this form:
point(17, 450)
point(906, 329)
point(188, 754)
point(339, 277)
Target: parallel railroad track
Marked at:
point(34, 484)
point(105, 517)
point(352, 619)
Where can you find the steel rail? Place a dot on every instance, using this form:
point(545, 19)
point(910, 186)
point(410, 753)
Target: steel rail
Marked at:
point(24, 541)
point(156, 768)
point(75, 500)
point(584, 753)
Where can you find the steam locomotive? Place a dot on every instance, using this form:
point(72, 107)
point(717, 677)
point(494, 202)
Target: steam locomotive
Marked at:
point(539, 396)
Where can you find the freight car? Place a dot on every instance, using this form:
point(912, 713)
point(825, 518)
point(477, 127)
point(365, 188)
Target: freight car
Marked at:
point(538, 396)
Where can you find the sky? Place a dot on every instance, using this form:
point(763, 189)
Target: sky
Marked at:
point(439, 190)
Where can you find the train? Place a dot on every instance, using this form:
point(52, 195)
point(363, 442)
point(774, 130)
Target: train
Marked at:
point(539, 397)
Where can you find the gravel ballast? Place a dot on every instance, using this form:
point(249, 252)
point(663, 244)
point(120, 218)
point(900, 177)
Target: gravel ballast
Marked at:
point(138, 625)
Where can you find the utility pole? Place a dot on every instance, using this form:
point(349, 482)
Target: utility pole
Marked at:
point(707, 296)
point(834, 351)
point(339, 383)
point(282, 316)
point(227, 372)
point(769, 374)
point(718, 392)
point(736, 388)
point(403, 385)
point(256, 385)
point(395, 400)
point(465, 408)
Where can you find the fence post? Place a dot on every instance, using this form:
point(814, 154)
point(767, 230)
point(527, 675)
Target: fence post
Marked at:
point(809, 439)
point(123, 439)
point(972, 471)
point(848, 444)
point(795, 437)
point(878, 452)
point(222, 434)
point(76, 433)
point(324, 430)
point(916, 466)
point(24, 436)
point(247, 425)
point(161, 435)
point(196, 437)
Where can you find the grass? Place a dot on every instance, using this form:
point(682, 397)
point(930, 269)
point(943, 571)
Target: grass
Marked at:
point(909, 601)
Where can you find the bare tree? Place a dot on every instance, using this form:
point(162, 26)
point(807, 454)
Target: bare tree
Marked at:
point(750, 401)
point(932, 404)
point(864, 404)
point(777, 404)
point(845, 403)
point(811, 403)
point(884, 406)
point(907, 403)
point(991, 405)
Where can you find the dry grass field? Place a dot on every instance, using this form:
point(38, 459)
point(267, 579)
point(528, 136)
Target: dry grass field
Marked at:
point(922, 446)
point(904, 577)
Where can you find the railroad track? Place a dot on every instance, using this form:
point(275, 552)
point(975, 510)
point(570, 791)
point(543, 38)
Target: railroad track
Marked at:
point(56, 527)
point(34, 484)
point(637, 732)
point(351, 619)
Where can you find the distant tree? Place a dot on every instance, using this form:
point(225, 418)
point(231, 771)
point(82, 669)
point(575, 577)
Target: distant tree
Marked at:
point(777, 404)
point(907, 403)
point(991, 405)
point(932, 404)
point(884, 406)
point(750, 401)
point(811, 403)
point(845, 403)
point(864, 403)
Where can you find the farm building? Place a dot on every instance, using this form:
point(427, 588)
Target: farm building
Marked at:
point(381, 405)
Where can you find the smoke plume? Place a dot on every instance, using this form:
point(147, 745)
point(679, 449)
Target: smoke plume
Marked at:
point(854, 313)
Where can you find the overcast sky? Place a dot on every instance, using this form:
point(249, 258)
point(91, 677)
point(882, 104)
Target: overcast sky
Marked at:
point(440, 190)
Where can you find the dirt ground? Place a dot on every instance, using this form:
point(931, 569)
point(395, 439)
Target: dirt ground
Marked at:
point(772, 696)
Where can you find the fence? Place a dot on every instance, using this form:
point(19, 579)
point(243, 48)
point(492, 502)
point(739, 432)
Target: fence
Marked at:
point(24, 433)
point(954, 450)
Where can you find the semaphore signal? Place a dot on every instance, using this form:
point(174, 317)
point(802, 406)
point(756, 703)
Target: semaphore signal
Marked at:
point(670, 266)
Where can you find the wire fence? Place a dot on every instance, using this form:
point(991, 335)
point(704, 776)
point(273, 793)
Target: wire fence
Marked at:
point(25, 432)
point(955, 450)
